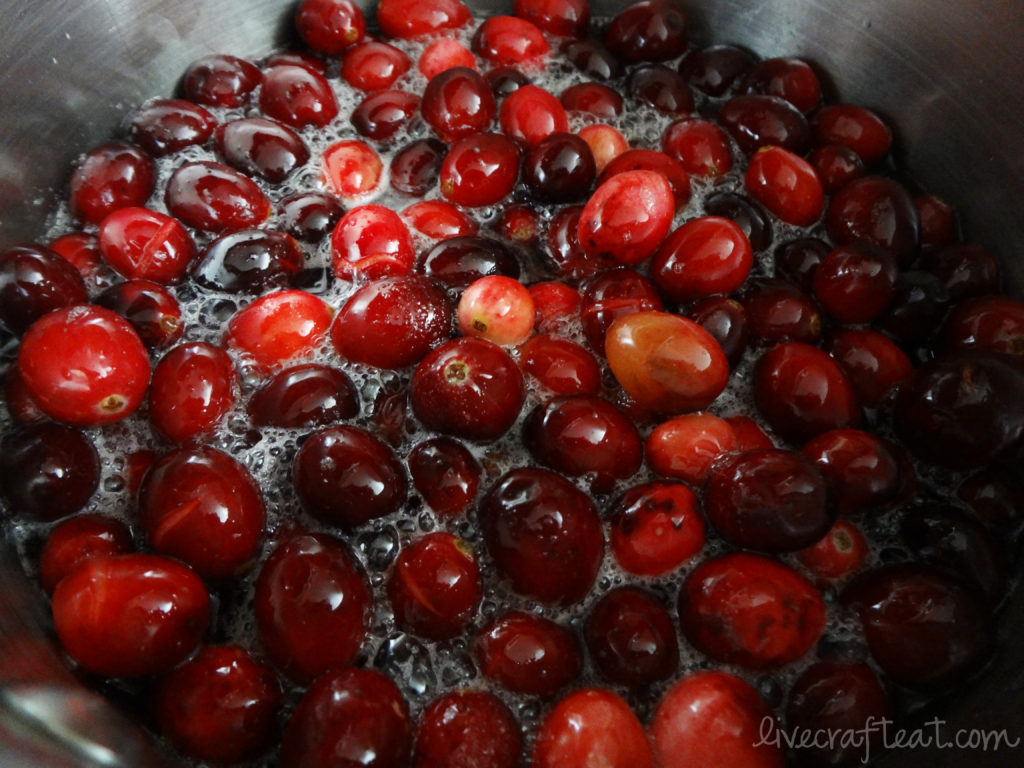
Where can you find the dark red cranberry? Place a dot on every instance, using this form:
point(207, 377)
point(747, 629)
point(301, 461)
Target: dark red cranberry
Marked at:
point(191, 391)
point(650, 30)
point(372, 65)
point(445, 473)
point(408, 19)
point(358, 713)
point(564, 251)
point(111, 176)
point(656, 528)
point(345, 476)
point(662, 88)
point(591, 721)
point(924, 628)
point(761, 121)
point(221, 81)
point(310, 61)
point(610, 295)
point(215, 198)
point(705, 256)
point(747, 214)
point(875, 366)
point(480, 170)
point(966, 269)
point(651, 160)
point(631, 638)
point(791, 79)
point(726, 320)
point(855, 127)
point(48, 471)
point(855, 282)
point(35, 280)
point(382, 114)
point(313, 606)
point(938, 221)
point(297, 97)
point(778, 311)
point(699, 145)
point(163, 126)
point(592, 59)
point(261, 147)
point(504, 80)
point(994, 496)
point(798, 260)
point(220, 706)
point(467, 729)
point(75, 540)
point(468, 388)
point(444, 53)
point(863, 472)
point(151, 309)
point(458, 103)
point(716, 70)
point(917, 309)
point(507, 40)
point(878, 210)
point(525, 653)
point(562, 18)
point(592, 98)
point(836, 166)
point(252, 261)
point(306, 395)
point(416, 168)
point(309, 216)
point(329, 26)
point(992, 323)
point(543, 534)
point(459, 261)
point(561, 366)
point(559, 169)
point(82, 251)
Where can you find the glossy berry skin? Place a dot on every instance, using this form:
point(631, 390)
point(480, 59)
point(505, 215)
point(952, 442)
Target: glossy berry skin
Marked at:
point(565, 254)
point(468, 388)
point(989, 323)
point(358, 713)
point(221, 81)
point(791, 79)
point(717, 69)
point(631, 638)
point(130, 615)
point(371, 242)
point(543, 534)
point(726, 320)
point(215, 198)
point(444, 53)
point(560, 168)
point(592, 98)
point(345, 476)
point(627, 217)
point(164, 126)
point(650, 160)
point(435, 587)
point(937, 219)
point(407, 19)
point(351, 169)
point(372, 65)
point(297, 97)
point(496, 308)
point(35, 280)
point(584, 436)
point(111, 176)
point(458, 103)
point(749, 434)
point(48, 471)
point(329, 26)
point(699, 145)
point(75, 540)
point(713, 719)
point(650, 30)
point(802, 392)
point(150, 308)
point(588, 725)
point(705, 256)
point(562, 18)
point(507, 40)
point(836, 166)
point(925, 629)
point(261, 147)
point(142, 244)
point(855, 127)
point(467, 729)
point(251, 261)
point(686, 447)
point(656, 528)
point(381, 115)
point(750, 611)
point(762, 121)
point(416, 167)
point(203, 507)
point(220, 706)
point(84, 365)
point(313, 606)
point(749, 215)
point(837, 555)
point(662, 88)
point(966, 269)
point(877, 368)
point(191, 391)
point(555, 302)
point(309, 216)
point(310, 395)
point(878, 210)
point(668, 364)
point(458, 261)
point(605, 143)
point(445, 474)
point(480, 170)
point(778, 311)
point(279, 327)
point(82, 251)
point(526, 653)
point(531, 114)
point(856, 282)
point(770, 500)
point(859, 466)
point(439, 220)
point(785, 184)
point(560, 366)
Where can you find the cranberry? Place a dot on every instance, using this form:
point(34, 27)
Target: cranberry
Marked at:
point(459, 261)
point(561, 366)
point(605, 143)
point(918, 308)
point(923, 627)
point(467, 729)
point(351, 169)
point(529, 654)
point(214, 198)
point(587, 722)
point(151, 309)
point(627, 217)
point(726, 320)
point(504, 80)
point(937, 219)
point(520, 223)
point(716, 70)
point(130, 615)
point(750, 611)
point(962, 410)
point(496, 308)
point(444, 53)
point(345, 476)
point(143, 244)
point(355, 713)
point(562, 18)
point(278, 327)
point(261, 147)
point(686, 447)
point(583, 435)
point(856, 282)
point(862, 471)
point(994, 496)
point(556, 304)
point(592, 98)
point(408, 19)
point(49, 471)
point(191, 391)
point(700, 146)
point(785, 184)
point(662, 88)
point(666, 363)
point(439, 220)
point(469, 388)
point(564, 252)
point(371, 242)
point(650, 160)
point(445, 473)
point(434, 587)
point(761, 121)
point(837, 554)
point(251, 261)
point(311, 61)
point(543, 534)
point(309, 216)
point(75, 540)
point(876, 367)
point(990, 323)
point(716, 703)
point(220, 706)
point(508, 40)
point(656, 528)
point(613, 294)
point(416, 168)
point(111, 176)
point(798, 260)
point(306, 395)
point(836, 166)
point(35, 280)
point(559, 169)
point(878, 210)
point(592, 59)
point(855, 127)
point(221, 81)
point(84, 365)
point(749, 434)
point(480, 170)
point(164, 126)
point(372, 65)
point(966, 269)
point(650, 30)
point(82, 251)
point(802, 392)
point(531, 114)
point(297, 97)
point(329, 26)
point(791, 79)
point(382, 114)
point(706, 255)
point(631, 638)
point(313, 606)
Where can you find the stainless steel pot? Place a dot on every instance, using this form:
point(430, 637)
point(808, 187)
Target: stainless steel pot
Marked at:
point(947, 74)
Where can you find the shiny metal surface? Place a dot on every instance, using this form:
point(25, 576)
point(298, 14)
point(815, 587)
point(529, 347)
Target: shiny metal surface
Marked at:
point(946, 73)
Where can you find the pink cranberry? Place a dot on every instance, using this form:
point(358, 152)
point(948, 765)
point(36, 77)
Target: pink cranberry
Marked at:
point(351, 169)
point(496, 308)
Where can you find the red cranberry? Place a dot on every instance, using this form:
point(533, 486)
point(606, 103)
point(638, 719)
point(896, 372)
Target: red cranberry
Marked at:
point(313, 606)
point(143, 244)
point(191, 391)
point(278, 327)
point(496, 308)
point(213, 197)
point(876, 367)
point(221, 706)
point(700, 146)
point(650, 160)
point(507, 40)
point(442, 54)
point(966, 269)
point(543, 534)
point(877, 210)
point(130, 615)
point(785, 184)
point(469, 388)
point(480, 170)
point(726, 320)
point(837, 554)
point(564, 251)
point(989, 323)
point(605, 143)
point(749, 434)
point(750, 611)
point(791, 79)
point(656, 528)
point(84, 365)
point(592, 98)
point(467, 729)
point(329, 26)
point(747, 214)
point(650, 30)
point(382, 114)
point(151, 309)
point(261, 147)
point(559, 169)
point(297, 97)
point(855, 127)
point(716, 70)
point(459, 261)
point(357, 713)
point(938, 220)
point(439, 220)
point(627, 217)
point(221, 81)
point(445, 473)
point(706, 255)
point(529, 654)
point(35, 280)
point(798, 260)
point(111, 176)
point(561, 366)
point(82, 251)
point(836, 166)
point(762, 121)
point(631, 638)
point(562, 18)
point(610, 295)
point(372, 65)
point(531, 114)
point(371, 241)
point(856, 282)
point(306, 395)
point(75, 540)
point(164, 126)
point(458, 103)
point(686, 447)
point(863, 472)
point(662, 88)
point(556, 304)
point(309, 216)
point(407, 19)
point(592, 59)
point(520, 223)
point(416, 168)
point(351, 169)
